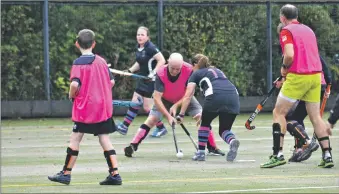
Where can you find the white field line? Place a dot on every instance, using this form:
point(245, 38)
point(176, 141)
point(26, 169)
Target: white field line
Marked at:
point(269, 189)
point(146, 142)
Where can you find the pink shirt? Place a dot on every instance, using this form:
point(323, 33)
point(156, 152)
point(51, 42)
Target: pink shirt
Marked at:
point(306, 55)
point(174, 91)
point(93, 104)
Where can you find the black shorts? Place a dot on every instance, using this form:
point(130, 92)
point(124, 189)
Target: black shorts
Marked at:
point(104, 127)
point(145, 88)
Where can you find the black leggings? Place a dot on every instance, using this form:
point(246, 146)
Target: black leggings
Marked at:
point(226, 120)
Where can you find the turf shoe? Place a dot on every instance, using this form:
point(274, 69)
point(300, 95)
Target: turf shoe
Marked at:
point(129, 150)
point(232, 154)
point(307, 152)
point(326, 163)
point(274, 161)
point(199, 156)
point(294, 158)
point(159, 132)
point(112, 180)
point(60, 177)
point(122, 129)
point(215, 152)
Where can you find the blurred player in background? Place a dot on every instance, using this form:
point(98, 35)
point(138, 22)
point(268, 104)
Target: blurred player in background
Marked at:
point(170, 84)
point(221, 99)
point(148, 60)
point(91, 93)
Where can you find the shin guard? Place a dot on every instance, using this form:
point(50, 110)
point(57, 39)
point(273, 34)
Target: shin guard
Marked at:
point(71, 156)
point(276, 138)
point(108, 156)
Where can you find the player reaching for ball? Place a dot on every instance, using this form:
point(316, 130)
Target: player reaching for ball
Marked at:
point(221, 99)
point(170, 84)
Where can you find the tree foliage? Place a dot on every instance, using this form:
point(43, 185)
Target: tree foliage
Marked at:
point(233, 37)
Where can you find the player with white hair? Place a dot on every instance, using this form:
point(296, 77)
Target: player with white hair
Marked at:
point(170, 85)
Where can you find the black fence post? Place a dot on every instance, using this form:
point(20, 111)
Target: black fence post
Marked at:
point(160, 24)
point(46, 50)
point(269, 44)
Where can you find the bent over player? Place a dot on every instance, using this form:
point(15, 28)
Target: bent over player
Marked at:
point(170, 84)
point(91, 91)
point(221, 99)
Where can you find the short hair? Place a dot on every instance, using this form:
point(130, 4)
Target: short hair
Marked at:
point(85, 38)
point(144, 28)
point(289, 11)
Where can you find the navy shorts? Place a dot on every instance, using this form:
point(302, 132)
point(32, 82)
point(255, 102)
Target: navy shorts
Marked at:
point(145, 88)
point(104, 127)
point(227, 103)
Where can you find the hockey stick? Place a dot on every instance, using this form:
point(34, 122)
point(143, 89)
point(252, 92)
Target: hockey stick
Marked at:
point(126, 103)
point(130, 74)
point(259, 108)
point(175, 138)
point(189, 135)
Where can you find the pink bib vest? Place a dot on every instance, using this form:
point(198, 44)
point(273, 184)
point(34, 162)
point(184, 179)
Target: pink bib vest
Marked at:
point(306, 55)
point(93, 104)
point(174, 91)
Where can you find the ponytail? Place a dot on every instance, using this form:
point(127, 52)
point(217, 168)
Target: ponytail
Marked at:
point(201, 61)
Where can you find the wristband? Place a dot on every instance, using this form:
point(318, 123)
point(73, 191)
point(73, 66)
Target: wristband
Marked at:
point(181, 115)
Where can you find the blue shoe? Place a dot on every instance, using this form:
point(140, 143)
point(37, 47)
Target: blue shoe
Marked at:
point(199, 156)
point(112, 180)
point(159, 132)
point(61, 178)
point(122, 129)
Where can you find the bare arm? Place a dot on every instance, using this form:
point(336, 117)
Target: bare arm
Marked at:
point(73, 89)
point(187, 98)
point(161, 107)
point(160, 60)
point(135, 67)
point(288, 54)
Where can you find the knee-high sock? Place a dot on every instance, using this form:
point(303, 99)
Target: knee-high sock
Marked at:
point(211, 141)
point(227, 136)
point(140, 135)
point(203, 134)
point(130, 115)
